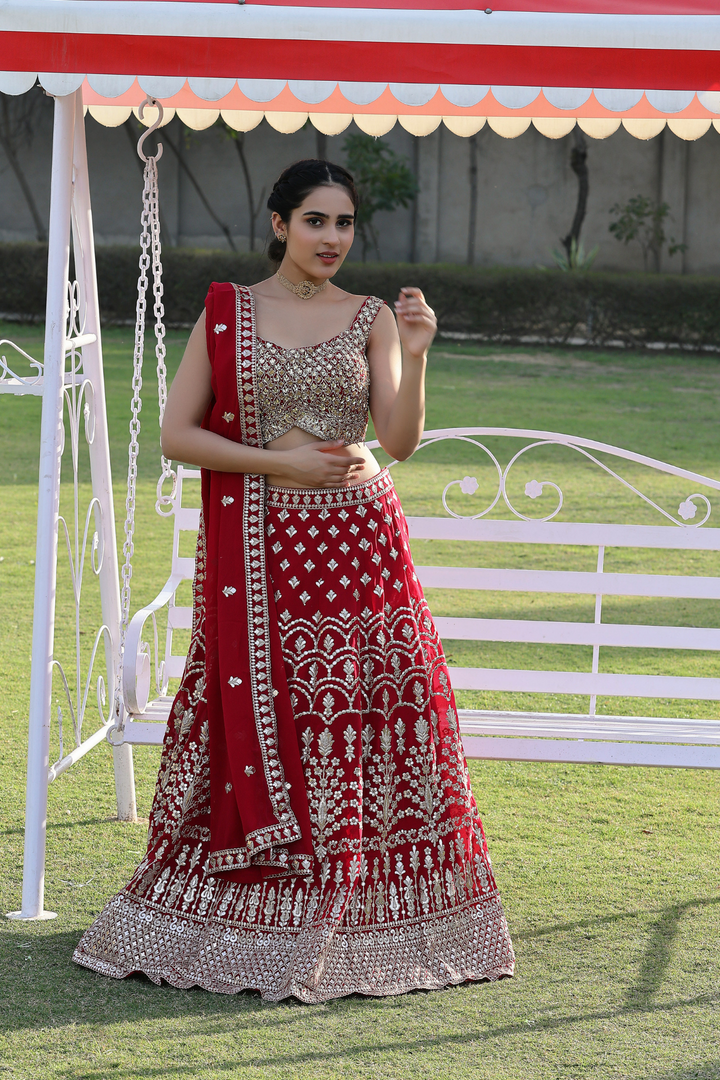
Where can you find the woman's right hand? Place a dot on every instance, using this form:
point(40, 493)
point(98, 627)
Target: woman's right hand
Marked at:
point(315, 465)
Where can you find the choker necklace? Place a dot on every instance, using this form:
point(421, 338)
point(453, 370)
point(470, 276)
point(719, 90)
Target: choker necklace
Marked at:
point(305, 290)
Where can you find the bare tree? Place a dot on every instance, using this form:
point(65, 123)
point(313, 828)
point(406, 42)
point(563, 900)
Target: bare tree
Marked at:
point(472, 216)
point(18, 119)
point(199, 191)
point(168, 141)
point(254, 208)
point(415, 208)
point(320, 145)
point(578, 164)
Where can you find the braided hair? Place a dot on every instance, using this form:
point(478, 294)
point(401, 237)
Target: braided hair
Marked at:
point(295, 184)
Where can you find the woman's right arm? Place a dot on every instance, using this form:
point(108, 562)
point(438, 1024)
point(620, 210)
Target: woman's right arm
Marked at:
point(190, 394)
point(183, 439)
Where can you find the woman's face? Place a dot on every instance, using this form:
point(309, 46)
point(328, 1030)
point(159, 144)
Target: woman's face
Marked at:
point(319, 234)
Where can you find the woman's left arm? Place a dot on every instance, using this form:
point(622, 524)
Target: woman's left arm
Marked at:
point(397, 355)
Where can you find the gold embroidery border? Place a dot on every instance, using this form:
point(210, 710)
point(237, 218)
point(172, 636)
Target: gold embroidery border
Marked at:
point(287, 829)
point(318, 498)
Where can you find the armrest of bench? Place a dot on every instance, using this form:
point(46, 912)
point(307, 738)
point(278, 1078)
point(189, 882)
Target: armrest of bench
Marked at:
point(136, 661)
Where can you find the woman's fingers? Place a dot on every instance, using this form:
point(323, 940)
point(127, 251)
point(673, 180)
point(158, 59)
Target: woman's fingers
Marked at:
point(411, 306)
point(419, 306)
point(410, 296)
point(344, 462)
point(321, 464)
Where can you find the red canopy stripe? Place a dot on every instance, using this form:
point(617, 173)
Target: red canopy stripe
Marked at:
point(363, 61)
point(643, 47)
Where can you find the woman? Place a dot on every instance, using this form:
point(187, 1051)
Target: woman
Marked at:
point(313, 831)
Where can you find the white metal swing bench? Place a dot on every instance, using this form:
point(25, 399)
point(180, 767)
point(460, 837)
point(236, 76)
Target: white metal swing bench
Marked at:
point(72, 372)
point(524, 736)
point(130, 716)
point(520, 736)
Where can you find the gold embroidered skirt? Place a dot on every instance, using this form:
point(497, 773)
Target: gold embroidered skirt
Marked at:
point(402, 895)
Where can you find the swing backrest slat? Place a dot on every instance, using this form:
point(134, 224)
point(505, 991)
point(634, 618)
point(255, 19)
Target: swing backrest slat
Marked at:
point(186, 520)
point(551, 736)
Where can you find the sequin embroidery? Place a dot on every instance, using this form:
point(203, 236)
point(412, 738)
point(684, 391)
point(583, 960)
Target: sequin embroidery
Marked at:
point(323, 389)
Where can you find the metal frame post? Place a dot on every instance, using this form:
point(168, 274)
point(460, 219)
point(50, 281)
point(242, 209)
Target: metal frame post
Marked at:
point(51, 442)
point(99, 448)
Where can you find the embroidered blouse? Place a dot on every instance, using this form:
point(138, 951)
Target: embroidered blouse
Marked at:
point(323, 389)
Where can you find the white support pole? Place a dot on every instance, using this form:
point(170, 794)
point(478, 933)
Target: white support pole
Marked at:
point(99, 449)
point(51, 441)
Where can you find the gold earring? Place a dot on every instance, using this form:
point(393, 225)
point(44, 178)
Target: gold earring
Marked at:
point(282, 238)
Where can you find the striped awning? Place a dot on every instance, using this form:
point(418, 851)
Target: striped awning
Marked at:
point(641, 63)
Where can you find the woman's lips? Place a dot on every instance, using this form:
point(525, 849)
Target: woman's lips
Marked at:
point(328, 256)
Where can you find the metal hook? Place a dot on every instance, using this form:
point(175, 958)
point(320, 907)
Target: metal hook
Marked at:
point(153, 127)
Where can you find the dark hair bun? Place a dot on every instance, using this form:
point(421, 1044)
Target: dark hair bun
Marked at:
point(294, 185)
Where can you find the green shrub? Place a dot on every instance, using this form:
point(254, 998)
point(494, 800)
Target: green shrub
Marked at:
point(186, 276)
point(23, 268)
point(503, 304)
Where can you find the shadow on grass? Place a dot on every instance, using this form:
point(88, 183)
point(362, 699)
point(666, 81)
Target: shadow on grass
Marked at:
point(77, 996)
point(657, 955)
point(346, 1051)
point(603, 920)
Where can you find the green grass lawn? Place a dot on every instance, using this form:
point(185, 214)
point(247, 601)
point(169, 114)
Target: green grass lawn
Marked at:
point(609, 876)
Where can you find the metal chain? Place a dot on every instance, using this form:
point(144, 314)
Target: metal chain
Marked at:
point(150, 179)
point(150, 252)
point(166, 471)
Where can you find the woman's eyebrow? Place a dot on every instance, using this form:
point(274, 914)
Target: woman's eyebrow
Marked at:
point(319, 213)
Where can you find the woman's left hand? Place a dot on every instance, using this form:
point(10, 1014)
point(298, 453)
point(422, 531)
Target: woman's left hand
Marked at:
point(416, 321)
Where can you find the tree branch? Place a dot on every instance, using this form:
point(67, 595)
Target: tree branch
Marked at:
point(472, 216)
point(6, 141)
point(239, 140)
point(578, 164)
point(198, 190)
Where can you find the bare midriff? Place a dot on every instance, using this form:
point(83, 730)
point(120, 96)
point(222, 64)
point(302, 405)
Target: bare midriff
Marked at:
point(296, 437)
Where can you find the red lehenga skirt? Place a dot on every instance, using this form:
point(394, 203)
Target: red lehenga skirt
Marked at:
point(401, 895)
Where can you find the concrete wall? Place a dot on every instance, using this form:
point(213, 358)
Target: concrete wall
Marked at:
point(526, 191)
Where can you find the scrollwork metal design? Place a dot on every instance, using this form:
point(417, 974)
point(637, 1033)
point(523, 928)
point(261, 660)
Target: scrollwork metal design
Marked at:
point(535, 489)
point(14, 383)
point(468, 481)
point(82, 537)
point(9, 378)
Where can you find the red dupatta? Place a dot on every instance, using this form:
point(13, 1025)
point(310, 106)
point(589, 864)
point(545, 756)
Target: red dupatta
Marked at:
point(260, 821)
